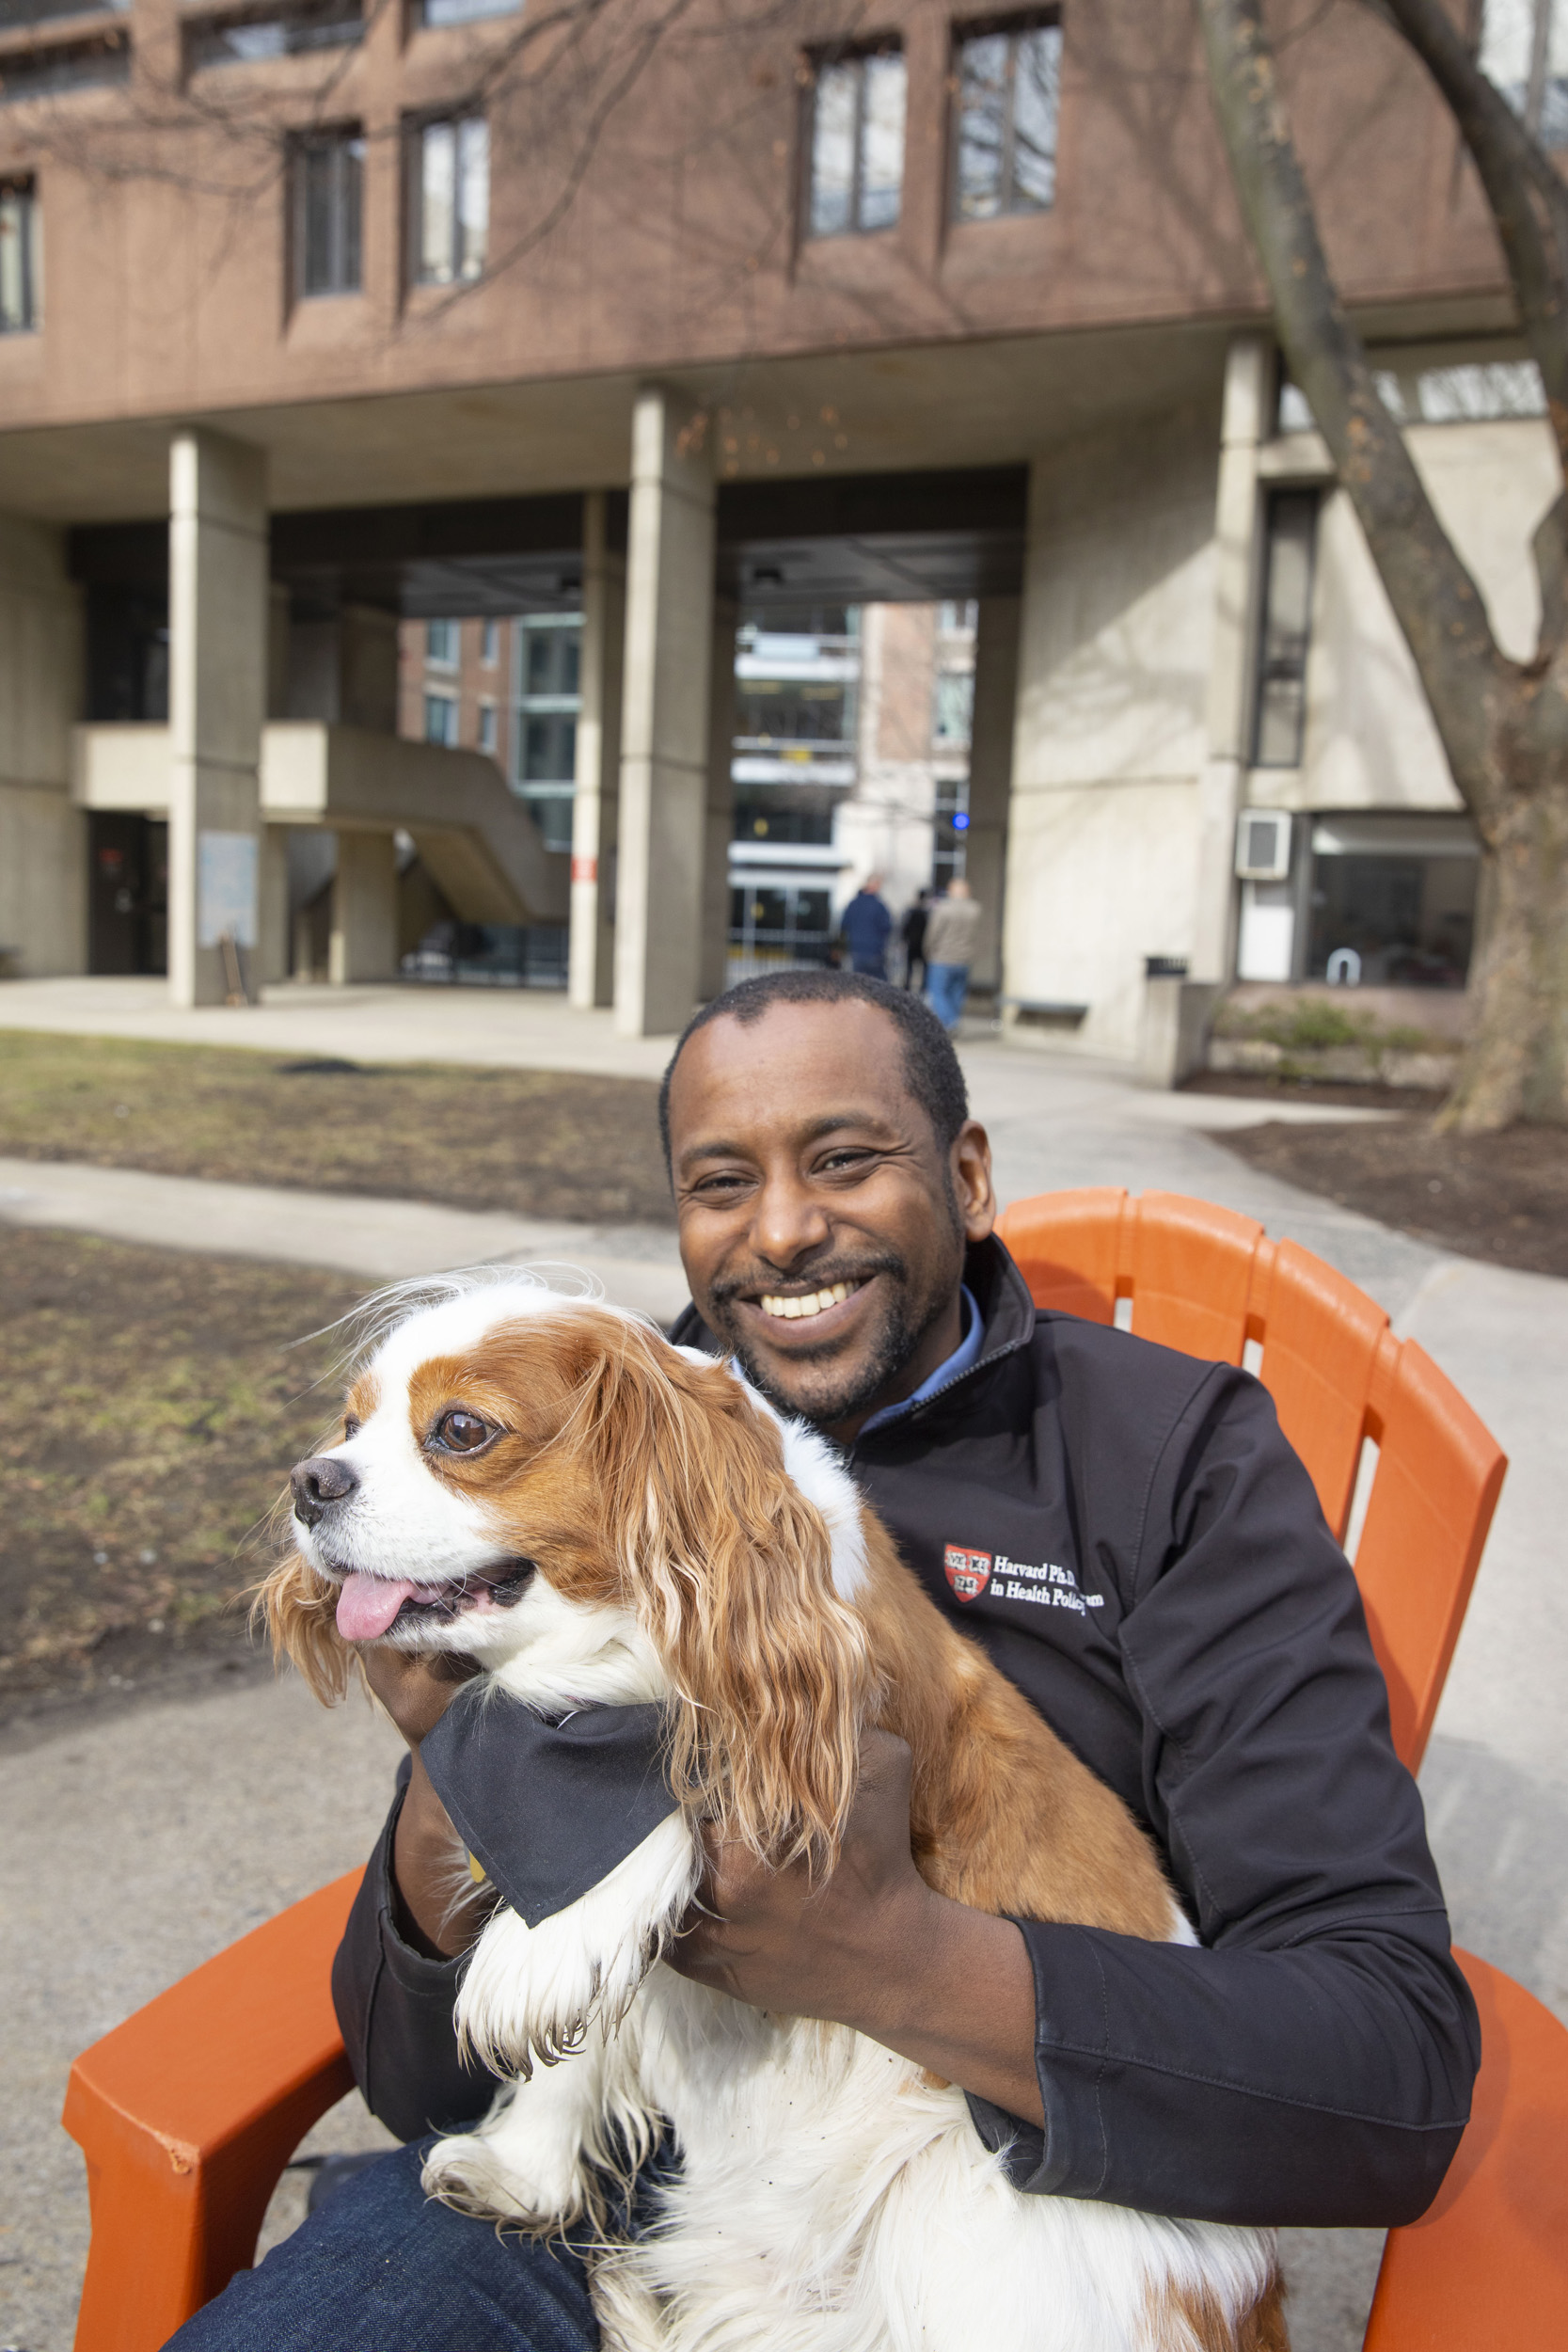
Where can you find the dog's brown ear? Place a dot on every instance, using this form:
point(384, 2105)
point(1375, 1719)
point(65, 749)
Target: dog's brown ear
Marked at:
point(300, 1612)
point(730, 1570)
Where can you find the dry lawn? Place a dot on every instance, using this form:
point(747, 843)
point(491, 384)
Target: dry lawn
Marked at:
point(531, 1141)
point(151, 1406)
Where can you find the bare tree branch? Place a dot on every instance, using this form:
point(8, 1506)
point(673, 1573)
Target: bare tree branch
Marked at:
point(1434, 599)
point(1527, 198)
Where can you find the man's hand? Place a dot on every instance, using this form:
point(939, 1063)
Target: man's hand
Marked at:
point(436, 1913)
point(415, 1690)
point(873, 1948)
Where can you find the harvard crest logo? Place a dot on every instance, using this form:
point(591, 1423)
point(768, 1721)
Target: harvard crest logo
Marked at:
point(968, 1572)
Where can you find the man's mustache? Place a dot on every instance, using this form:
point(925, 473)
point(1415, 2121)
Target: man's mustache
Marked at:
point(769, 1279)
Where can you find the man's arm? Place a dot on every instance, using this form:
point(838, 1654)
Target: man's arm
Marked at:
point(1314, 2065)
point(396, 1972)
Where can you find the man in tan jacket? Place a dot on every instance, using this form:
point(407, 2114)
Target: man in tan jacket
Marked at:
point(951, 933)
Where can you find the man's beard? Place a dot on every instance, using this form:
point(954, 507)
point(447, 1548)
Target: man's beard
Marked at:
point(904, 1326)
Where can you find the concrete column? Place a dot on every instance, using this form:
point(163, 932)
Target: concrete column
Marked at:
point(273, 950)
point(591, 955)
point(218, 614)
point(990, 776)
point(43, 837)
point(364, 910)
point(713, 973)
point(1245, 423)
point(665, 717)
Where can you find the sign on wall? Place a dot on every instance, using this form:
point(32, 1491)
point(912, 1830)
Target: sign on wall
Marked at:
point(226, 866)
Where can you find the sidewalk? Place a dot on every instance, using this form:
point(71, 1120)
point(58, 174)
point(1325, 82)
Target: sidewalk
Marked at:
point(152, 1839)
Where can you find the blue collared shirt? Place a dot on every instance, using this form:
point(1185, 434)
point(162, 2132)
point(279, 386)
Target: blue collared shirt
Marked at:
point(966, 1353)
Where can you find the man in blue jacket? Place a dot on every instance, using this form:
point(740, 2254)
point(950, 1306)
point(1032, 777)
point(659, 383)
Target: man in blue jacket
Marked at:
point(1309, 2061)
point(865, 929)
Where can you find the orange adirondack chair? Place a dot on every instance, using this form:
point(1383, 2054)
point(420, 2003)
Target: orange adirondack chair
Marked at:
point(188, 2111)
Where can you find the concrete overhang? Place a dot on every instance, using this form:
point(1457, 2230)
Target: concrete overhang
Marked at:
point(479, 842)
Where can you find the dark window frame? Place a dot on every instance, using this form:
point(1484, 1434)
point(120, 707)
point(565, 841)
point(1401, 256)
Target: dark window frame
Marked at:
point(101, 60)
point(301, 26)
point(857, 54)
point(22, 187)
point(343, 145)
point(1013, 27)
point(415, 128)
point(1282, 658)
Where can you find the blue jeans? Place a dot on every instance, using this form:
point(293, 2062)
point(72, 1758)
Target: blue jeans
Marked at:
point(380, 2268)
point(947, 986)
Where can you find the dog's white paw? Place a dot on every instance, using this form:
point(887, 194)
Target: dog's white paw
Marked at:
point(475, 2175)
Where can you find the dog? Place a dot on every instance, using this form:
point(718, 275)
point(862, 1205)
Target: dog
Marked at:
point(544, 1486)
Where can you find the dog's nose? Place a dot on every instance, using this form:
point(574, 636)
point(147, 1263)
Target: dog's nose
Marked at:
point(319, 1482)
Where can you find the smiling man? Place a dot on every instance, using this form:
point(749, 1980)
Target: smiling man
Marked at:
point(1128, 1535)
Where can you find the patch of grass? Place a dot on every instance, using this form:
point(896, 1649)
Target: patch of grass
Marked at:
point(151, 1407)
point(537, 1142)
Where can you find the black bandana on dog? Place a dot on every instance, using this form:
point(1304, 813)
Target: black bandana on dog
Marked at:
point(546, 1810)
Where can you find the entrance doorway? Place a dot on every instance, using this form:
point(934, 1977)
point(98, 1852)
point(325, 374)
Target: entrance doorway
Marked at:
point(127, 893)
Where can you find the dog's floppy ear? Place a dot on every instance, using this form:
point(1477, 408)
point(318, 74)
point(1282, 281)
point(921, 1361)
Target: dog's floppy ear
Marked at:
point(729, 1567)
point(299, 1610)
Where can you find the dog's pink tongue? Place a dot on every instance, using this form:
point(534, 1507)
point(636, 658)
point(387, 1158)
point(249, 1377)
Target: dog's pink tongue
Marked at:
point(368, 1604)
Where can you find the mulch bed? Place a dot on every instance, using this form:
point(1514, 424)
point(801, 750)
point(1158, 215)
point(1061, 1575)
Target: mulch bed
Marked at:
point(152, 1405)
point(1502, 1197)
point(535, 1142)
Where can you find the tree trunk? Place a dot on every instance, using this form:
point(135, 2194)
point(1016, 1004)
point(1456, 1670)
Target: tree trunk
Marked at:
point(1503, 724)
point(1515, 1063)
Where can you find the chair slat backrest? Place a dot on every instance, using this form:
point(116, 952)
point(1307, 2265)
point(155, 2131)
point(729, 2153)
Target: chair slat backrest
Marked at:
point(1192, 1274)
point(1205, 1280)
point(1320, 1338)
point(1439, 1473)
point(1067, 1247)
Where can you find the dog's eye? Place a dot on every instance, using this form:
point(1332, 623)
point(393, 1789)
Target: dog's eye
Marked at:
point(461, 1433)
point(351, 1426)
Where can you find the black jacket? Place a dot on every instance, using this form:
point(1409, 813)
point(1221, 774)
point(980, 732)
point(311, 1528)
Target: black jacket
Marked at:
point(1145, 1558)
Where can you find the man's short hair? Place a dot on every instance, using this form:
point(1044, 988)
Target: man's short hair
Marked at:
point(932, 1071)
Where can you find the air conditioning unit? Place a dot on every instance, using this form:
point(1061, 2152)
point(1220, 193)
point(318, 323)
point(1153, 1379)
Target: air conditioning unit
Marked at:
point(1262, 844)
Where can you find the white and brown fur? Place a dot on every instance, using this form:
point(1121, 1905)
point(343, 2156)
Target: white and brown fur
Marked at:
point(693, 1548)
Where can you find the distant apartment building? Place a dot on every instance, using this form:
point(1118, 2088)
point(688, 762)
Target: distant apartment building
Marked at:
point(849, 753)
point(630, 545)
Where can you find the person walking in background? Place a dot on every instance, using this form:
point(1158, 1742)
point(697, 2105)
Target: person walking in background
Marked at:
point(912, 933)
point(865, 927)
point(951, 930)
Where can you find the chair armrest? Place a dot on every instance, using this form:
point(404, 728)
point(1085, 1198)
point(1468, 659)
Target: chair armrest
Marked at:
point(1488, 2265)
point(188, 2112)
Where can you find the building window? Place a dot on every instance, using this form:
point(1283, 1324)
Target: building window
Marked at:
point(544, 738)
point(490, 645)
point(857, 144)
point(438, 12)
point(20, 241)
point(1524, 51)
point(1392, 900)
point(955, 707)
point(440, 644)
point(450, 183)
point(1290, 529)
point(1010, 82)
point(328, 195)
point(96, 63)
point(249, 39)
point(486, 736)
point(440, 719)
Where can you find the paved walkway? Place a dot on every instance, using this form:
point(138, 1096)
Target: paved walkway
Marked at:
point(149, 1841)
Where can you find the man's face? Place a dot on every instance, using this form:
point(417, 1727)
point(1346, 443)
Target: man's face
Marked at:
point(822, 1227)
